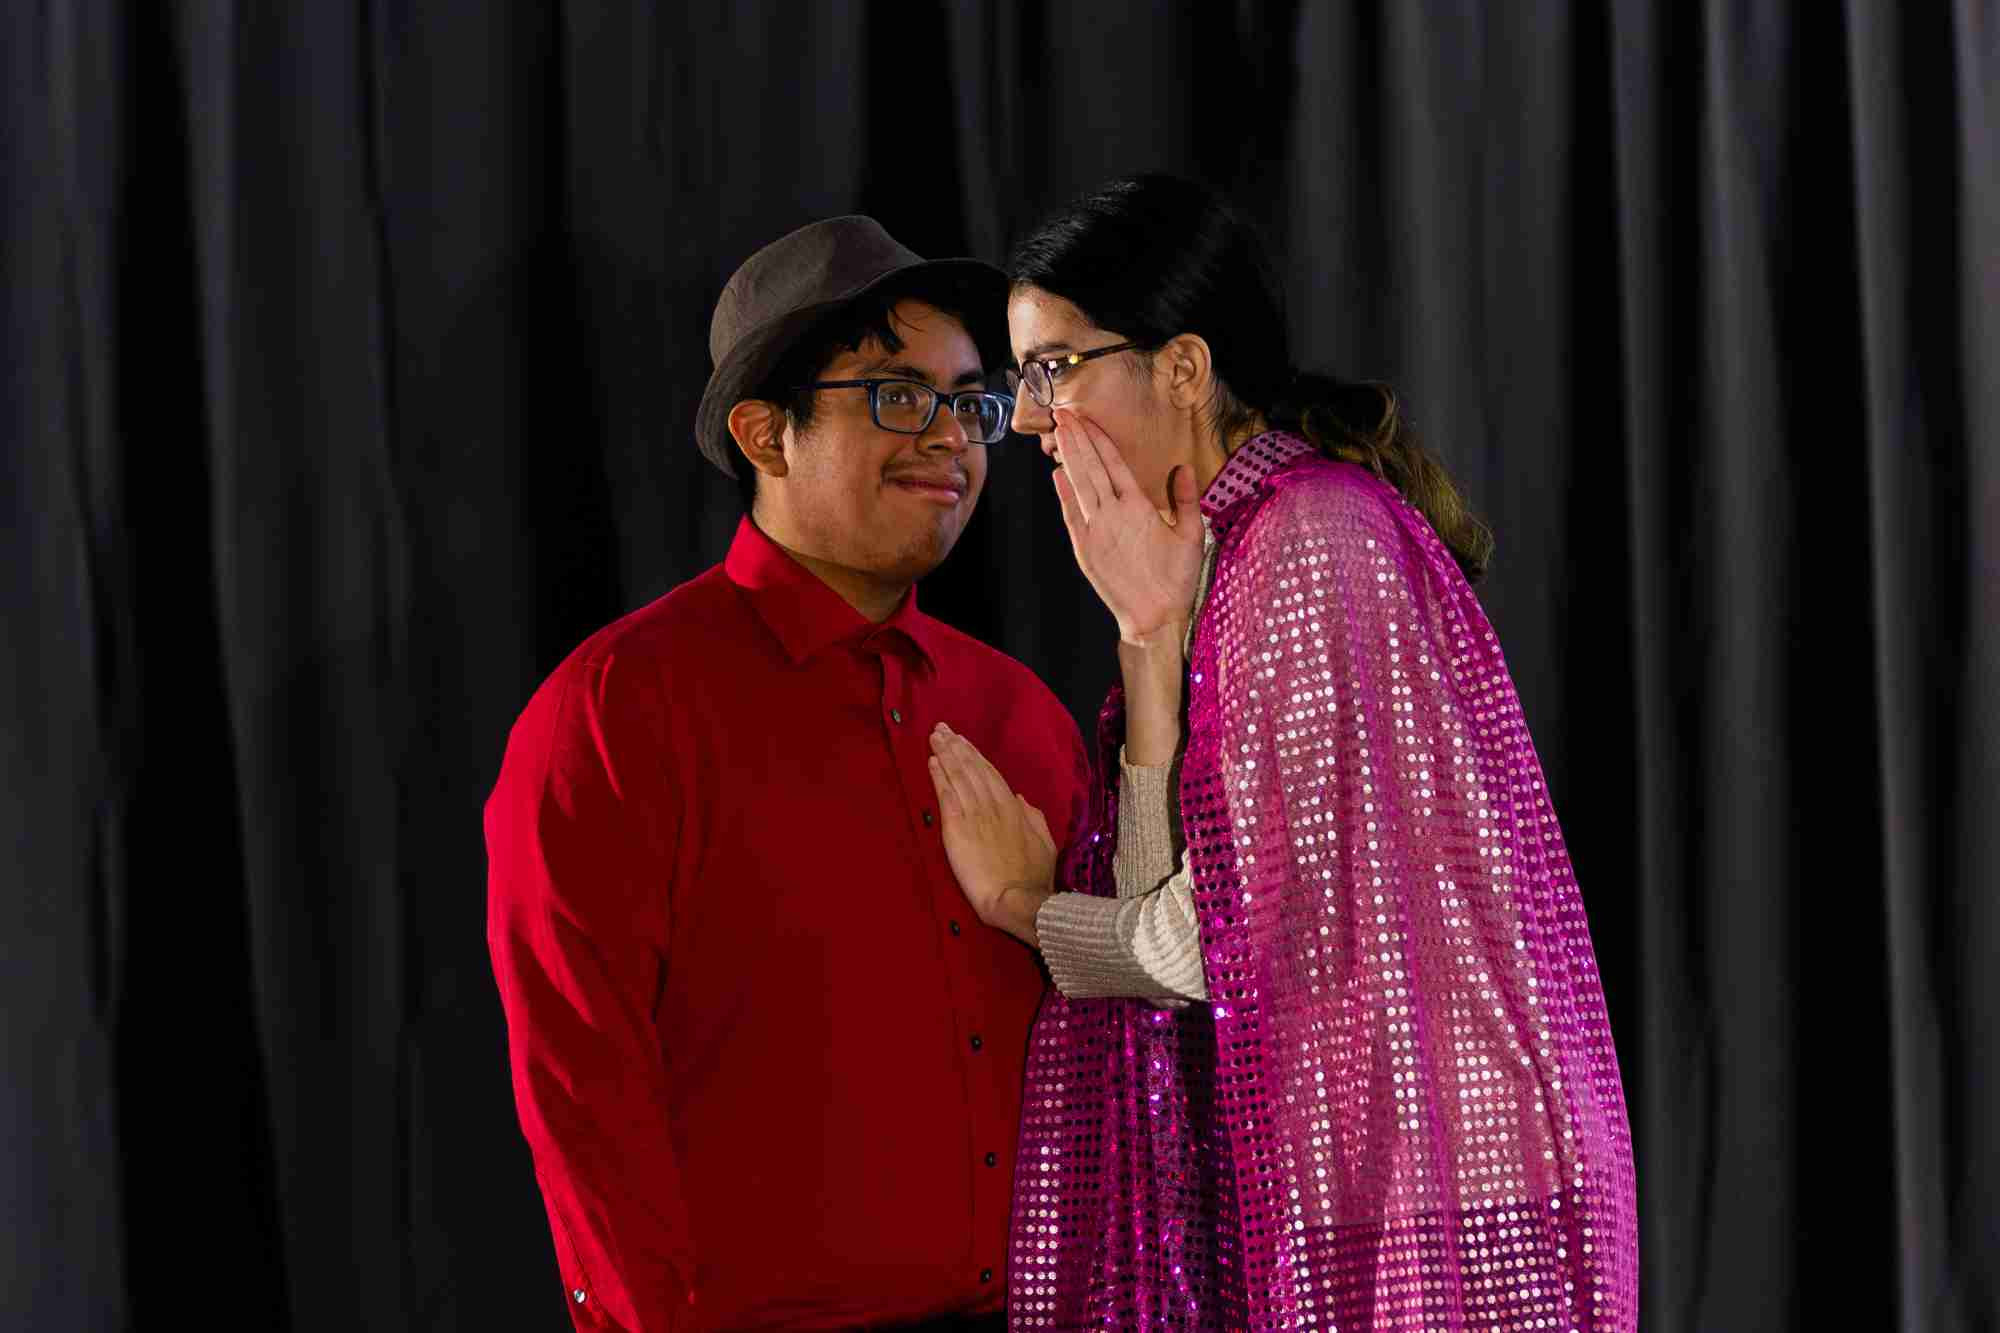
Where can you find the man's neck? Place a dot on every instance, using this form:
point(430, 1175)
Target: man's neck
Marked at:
point(875, 599)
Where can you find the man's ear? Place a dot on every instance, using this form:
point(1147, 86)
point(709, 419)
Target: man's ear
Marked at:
point(758, 428)
point(1190, 371)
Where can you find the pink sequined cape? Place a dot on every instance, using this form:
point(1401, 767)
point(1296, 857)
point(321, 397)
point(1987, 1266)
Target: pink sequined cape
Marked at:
point(1400, 1109)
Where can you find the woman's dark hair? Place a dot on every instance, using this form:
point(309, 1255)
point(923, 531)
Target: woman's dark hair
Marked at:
point(870, 316)
point(1150, 257)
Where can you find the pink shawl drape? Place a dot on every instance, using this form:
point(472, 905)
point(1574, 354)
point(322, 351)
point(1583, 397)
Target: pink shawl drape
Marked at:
point(1400, 1109)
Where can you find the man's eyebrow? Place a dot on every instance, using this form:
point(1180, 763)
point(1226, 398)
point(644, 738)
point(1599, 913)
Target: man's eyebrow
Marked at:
point(904, 370)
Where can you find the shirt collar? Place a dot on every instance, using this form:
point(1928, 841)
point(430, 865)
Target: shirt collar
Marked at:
point(804, 613)
point(1254, 460)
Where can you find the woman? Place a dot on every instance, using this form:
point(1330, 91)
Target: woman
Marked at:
point(1343, 1061)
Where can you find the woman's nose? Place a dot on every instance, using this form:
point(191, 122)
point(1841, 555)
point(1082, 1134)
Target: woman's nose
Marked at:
point(1030, 417)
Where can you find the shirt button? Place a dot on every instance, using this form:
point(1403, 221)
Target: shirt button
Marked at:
point(929, 819)
point(577, 1295)
point(895, 715)
point(992, 1159)
point(954, 928)
point(985, 1275)
point(976, 1042)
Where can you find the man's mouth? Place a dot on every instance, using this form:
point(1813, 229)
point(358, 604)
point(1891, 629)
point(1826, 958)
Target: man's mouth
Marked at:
point(942, 490)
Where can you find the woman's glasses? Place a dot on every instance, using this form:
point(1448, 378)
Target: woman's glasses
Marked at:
point(1038, 376)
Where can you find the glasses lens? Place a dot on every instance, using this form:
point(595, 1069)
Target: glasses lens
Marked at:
point(1036, 380)
point(903, 405)
point(984, 416)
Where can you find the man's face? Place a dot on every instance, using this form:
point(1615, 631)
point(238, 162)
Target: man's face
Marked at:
point(882, 504)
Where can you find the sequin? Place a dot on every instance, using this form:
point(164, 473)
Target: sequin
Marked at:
point(1401, 1109)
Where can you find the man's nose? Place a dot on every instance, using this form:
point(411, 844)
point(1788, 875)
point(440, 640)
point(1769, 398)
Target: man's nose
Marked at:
point(945, 431)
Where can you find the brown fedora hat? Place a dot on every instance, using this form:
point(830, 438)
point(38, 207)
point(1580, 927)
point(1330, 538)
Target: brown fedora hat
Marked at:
point(783, 290)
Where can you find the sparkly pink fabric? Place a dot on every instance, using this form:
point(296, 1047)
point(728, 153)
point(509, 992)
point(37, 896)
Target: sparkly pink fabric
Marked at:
point(1401, 1108)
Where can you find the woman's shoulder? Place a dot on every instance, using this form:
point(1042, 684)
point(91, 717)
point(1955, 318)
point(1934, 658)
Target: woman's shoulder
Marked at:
point(1326, 526)
point(1326, 500)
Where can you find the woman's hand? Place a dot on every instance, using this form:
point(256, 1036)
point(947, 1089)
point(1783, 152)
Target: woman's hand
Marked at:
point(1143, 568)
point(999, 845)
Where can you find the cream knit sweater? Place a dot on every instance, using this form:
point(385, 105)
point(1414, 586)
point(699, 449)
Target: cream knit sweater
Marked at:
point(1146, 942)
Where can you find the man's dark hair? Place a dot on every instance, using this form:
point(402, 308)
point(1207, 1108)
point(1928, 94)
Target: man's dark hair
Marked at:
point(868, 316)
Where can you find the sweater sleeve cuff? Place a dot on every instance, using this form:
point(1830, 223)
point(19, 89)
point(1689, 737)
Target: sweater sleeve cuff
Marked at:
point(1097, 947)
point(1079, 938)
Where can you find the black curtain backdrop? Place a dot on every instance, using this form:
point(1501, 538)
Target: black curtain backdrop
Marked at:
point(347, 372)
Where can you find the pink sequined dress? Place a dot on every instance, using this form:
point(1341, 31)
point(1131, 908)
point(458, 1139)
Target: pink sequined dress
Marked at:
point(1400, 1109)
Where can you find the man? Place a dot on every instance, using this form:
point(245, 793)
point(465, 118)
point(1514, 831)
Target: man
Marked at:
point(768, 1064)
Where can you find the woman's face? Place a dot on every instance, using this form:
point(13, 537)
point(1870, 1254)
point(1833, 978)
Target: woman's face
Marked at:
point(1113, 391)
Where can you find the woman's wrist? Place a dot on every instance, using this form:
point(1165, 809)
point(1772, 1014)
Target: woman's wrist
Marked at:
point(1153, 674)
point(1165, 637)
point(1156, 661)
point(1020, 906)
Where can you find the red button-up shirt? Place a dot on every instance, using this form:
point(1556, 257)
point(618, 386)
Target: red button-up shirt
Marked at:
point(768, 1062)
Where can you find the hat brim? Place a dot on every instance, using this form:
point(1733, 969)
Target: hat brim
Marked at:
point(758, 352)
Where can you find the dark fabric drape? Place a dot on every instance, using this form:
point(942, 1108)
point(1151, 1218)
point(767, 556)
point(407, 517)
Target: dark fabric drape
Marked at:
point(350, 355)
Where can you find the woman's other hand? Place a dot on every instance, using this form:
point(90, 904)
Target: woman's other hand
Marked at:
point(998, 844)
point(1142, 567)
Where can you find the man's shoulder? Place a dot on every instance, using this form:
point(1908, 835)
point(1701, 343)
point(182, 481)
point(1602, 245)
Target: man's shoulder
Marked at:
point(668, 636)
point(614, 691)
point(679, 622)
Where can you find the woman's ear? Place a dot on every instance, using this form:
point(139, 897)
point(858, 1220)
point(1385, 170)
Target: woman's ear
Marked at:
point(1190, 372)
point(759, 427)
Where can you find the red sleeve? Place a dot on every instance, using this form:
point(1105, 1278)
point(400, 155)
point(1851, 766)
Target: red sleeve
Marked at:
point(580, 831)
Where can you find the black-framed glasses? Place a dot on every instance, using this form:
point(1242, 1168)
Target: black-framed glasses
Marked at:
point(908, 407)
point(1039, 375)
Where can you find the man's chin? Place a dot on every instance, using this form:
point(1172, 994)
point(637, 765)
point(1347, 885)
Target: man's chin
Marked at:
point(925, 553)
